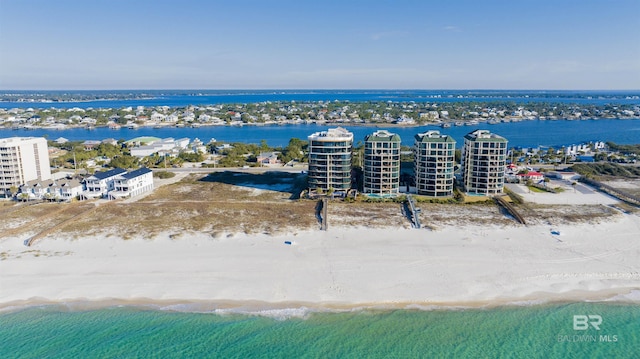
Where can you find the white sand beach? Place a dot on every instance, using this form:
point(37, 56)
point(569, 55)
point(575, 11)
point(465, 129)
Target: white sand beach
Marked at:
point(342, 267)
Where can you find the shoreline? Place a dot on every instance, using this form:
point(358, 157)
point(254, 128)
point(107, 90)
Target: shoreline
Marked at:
point(451, 123)
point(621, 296)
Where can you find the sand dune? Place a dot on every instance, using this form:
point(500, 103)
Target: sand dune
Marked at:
point(344, 267)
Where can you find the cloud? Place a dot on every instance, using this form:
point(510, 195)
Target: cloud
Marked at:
point(452, 28)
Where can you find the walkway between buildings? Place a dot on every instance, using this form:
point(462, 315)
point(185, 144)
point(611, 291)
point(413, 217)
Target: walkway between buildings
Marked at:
point(510, 208)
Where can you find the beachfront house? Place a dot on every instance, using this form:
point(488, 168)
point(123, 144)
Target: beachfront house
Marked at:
point(61, 190)
point(69, 189)
point(132, 183)
point(118, 183)
point(101, 183)
point(35, 189)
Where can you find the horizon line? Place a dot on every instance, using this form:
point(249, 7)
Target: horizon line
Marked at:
point(323, 89)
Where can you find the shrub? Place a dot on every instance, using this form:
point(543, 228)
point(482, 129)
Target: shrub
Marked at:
point(163, 174)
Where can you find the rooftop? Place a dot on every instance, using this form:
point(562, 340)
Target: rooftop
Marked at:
point(109, 173)
point(433, 136)
point(15, 140)
point(136, 173)
point(382, 135)
point(332, 134)
point(484, 136)
point(143, 139)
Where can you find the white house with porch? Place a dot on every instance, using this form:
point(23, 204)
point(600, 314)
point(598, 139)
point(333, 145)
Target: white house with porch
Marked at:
point(101, 183)
point(132, 183)
point(69, 189)
point(60, 190)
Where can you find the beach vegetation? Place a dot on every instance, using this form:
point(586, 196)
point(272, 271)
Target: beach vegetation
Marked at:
point(163, 174)
point(606, 170)
point(441, 200)
point(294, 151)
point(533, 188)
point(624, 149)
point(191, 157)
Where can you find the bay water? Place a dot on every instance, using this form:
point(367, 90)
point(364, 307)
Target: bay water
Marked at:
point(556, 133)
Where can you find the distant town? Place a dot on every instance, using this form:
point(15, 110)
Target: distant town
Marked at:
point(394, 113)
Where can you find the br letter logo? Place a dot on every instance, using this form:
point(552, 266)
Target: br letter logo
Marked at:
point(582, 322)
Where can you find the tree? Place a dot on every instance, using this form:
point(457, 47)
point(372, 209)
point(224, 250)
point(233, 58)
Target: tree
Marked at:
point(124, 161)
point(108, 150)
point(357, 159)
point(264, 146)
point(191, 157)
point(295, 150)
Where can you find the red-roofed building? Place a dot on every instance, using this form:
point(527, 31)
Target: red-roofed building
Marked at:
point(530, 175)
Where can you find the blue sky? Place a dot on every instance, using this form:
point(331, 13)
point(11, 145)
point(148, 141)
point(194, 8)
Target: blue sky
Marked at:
point(316, 44)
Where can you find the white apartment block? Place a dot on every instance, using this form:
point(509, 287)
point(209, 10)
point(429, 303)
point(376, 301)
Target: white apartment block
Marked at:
point(484, 158)
point(22, 159)
point(434, 156)
point(330, 159)
point(382, 163)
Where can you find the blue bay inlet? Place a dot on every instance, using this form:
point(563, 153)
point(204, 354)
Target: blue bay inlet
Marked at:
point(554, 133)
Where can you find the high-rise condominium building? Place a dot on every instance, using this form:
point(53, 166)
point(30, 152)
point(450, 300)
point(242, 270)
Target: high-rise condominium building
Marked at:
point(484, 158)
point(22, 159)
point(434, 156)
point(330, 159)
point(382, 163)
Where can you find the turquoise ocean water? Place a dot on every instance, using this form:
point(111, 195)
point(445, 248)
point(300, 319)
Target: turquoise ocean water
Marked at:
point(536, 331)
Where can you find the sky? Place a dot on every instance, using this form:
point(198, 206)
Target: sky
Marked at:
point(320, 44)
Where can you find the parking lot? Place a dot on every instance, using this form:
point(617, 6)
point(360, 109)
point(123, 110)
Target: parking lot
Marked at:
point(578, 194)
